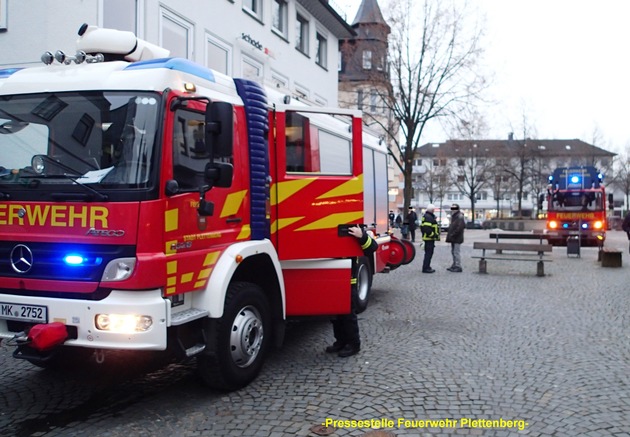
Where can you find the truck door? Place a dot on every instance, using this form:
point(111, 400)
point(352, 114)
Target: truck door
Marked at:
point(318, 183)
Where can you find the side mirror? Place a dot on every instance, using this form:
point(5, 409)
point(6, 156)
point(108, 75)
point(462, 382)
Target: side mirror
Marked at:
point(219, 174)
point(219, 129)
point(611, 204)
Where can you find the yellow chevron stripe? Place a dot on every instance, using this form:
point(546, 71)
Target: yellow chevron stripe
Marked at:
point(232, 203)
point(204, 274)
point(333, 220)
point(171, 267)
point(353, 186)
point(287, 189)
point(283, 222)
point(245, 233)
point(211, 258)
point(186, 277)
point(169, 247)
point(171, 220)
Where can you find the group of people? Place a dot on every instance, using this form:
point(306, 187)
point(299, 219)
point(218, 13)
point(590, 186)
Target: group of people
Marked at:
point(346, 327)
point(407, 225)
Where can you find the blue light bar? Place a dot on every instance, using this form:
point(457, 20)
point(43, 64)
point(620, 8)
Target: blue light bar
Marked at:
point(176, 64)
point(76, 259)
point(8, 72)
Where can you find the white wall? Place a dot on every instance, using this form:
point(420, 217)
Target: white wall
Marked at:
point(36, 26)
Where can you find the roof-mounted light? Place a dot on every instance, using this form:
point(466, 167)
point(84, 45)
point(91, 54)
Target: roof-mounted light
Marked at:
point(79, 57)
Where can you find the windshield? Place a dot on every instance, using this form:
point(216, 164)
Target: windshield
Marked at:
point(104, 139)
point(579, 200)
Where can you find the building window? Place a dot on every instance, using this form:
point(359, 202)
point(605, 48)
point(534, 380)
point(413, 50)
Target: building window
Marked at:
point(253, 8)
point(439, 162)
point(373, 98)
point(218, 55)
point(176, 34)
point(460, 162)
point(252, 69)
point(3, 14)
point(301, 34)
point(322, 51)
point(367, 59)
point(360, 100)
point(120, 15)
point(280, 17)
point(279, 80)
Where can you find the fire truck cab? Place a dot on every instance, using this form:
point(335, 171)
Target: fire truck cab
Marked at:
point(148, 203)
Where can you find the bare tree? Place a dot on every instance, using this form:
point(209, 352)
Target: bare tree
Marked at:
point(621, 177)
point(433, 57)
point(472, 171)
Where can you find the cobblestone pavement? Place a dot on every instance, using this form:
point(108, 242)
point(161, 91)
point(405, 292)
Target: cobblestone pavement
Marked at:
point(507, 353)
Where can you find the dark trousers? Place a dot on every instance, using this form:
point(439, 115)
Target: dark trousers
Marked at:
point(412, 232)
point(429, 247)
point(346, 329)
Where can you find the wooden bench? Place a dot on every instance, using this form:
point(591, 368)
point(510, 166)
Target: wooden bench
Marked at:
point(518, 236)
point(610, 257)
point(524, 252)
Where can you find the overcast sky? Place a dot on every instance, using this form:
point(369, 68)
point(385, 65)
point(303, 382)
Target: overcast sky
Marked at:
point(564, 63)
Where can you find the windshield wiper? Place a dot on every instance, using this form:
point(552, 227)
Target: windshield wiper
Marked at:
point(38, 168)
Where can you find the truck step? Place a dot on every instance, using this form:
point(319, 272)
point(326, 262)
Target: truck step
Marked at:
point(192, 351)
point(188, 316)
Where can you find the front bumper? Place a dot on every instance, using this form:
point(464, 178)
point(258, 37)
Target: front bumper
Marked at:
point(81, 315)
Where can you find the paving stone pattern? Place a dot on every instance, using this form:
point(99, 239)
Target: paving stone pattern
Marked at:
point(550, 355)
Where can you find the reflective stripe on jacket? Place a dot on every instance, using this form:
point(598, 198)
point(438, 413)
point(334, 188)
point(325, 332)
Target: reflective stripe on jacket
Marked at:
point(429, 227)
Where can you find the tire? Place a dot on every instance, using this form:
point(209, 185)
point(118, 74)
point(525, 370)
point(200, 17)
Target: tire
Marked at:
point(241, 338)
point(410, 251)
point(397, 254)
point(363, 286)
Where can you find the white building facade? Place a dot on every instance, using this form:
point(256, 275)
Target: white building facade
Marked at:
point(288, 44)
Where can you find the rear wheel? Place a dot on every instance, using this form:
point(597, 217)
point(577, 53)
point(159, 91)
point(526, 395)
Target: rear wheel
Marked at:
point(241, 338)
point(361, 289)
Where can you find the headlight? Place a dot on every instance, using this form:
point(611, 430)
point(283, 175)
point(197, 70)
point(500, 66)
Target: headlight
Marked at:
point(123, 323)
point(119, 269)
point(553, 224)
point(598, 224)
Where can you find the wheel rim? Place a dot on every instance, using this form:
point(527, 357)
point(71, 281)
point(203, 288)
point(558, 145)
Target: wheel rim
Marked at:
point(247, 336)
point(363, 284)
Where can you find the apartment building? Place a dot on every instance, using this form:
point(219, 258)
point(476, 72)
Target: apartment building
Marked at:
point(288, 44)
point(505, 177)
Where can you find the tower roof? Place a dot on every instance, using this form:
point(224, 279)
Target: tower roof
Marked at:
point(369, 13)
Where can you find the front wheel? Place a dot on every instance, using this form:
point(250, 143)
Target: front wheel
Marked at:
point(241, 338)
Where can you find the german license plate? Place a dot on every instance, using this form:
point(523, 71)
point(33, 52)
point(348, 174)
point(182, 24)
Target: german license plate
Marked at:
point(23, 313)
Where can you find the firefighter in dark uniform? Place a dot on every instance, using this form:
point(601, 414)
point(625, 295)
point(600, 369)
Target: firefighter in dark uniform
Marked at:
point(346, 326)
point(430, 234)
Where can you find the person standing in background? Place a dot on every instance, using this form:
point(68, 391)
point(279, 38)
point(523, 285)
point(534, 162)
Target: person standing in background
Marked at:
point(455, 236)
point(412, 217)
point(430, 234)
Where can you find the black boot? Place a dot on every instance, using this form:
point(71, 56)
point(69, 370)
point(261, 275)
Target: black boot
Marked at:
point(349, 350)
point(335, 347)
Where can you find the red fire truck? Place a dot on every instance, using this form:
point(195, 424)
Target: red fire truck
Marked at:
point(576, 206)
point(150, 204)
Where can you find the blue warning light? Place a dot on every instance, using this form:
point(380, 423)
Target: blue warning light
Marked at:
point(575, 179)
